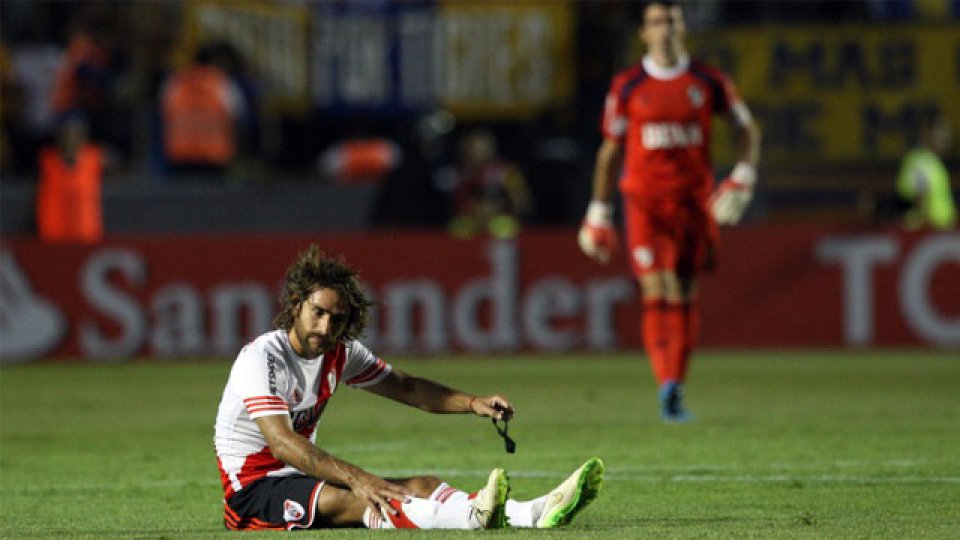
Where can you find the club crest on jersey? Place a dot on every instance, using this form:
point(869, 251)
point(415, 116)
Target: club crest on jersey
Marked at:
point(292, 511)
point(331, 381)
point(696, 96)
point(644, 256)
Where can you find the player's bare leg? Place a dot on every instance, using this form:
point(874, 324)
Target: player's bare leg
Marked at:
point(340, 507)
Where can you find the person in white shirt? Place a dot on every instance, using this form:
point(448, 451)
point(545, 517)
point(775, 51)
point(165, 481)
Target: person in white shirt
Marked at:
point(275, 476)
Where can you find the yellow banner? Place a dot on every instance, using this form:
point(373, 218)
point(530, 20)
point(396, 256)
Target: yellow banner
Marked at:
point(505, 59)
point(271, 37)
point(837, 94)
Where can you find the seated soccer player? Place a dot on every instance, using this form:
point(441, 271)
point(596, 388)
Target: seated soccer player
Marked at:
point(275, 477)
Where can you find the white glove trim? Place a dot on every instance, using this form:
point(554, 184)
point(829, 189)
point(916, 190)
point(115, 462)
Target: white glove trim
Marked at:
point(599, 214)
point(744, 173)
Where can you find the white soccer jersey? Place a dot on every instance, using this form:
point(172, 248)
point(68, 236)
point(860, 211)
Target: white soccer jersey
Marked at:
point(267, 378)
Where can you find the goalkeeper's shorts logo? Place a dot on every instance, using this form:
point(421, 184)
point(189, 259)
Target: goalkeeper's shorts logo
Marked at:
point(643, 255)
point(292, 511)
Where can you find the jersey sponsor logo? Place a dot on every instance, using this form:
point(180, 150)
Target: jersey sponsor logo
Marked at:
point(665, 135)
point(292, 511)
point(272, 373)
point(644, 256)
point(304, 421)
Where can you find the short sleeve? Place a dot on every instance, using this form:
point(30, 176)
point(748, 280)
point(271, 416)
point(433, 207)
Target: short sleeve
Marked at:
point(257, 378)
point(731, 103)
point(614, 123)
point(362, 367)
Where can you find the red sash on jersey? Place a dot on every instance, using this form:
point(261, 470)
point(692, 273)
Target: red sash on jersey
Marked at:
point(305, 422)
point(259, 465)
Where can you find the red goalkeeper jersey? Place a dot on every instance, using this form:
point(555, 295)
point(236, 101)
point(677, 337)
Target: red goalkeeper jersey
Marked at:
point(662, 116)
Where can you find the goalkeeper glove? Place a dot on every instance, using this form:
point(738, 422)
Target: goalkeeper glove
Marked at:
point(732, 196)
point(598, 238)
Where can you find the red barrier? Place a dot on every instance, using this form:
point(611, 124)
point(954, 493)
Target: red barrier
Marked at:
point(776, 287)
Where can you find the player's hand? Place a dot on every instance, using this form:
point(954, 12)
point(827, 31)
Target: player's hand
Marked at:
point(731, 198)
point(598, 238)
point(376, 493)
point(496, 407)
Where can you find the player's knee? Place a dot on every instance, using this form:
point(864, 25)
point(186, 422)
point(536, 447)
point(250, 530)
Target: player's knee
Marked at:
point(654, 288)
point(338, 507)
point(423, 486)
point(662, 286)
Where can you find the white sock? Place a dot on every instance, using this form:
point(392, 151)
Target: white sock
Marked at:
point(453, 508)
point(415, 512)
point(525, 513)
point(447, 508)
point(443, 492)
point(373, 520)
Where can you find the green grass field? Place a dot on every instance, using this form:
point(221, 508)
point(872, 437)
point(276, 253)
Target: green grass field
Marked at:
point(800, 444)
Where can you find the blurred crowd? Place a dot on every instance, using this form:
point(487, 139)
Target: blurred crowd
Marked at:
point(118, 76)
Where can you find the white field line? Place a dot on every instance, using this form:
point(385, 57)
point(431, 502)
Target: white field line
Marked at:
point(615, 475)
point(349, 449)
point(612, 475)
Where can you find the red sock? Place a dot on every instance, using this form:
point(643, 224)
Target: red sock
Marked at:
point(655, 337)
point(691, 333)
point(673, 323)
point(400, 521)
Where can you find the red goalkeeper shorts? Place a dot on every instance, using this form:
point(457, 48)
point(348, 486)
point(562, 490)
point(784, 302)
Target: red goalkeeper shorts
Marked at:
point(674, 235)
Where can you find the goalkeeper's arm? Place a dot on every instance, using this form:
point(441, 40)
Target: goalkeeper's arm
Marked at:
point(733, 195)
point(598, 238)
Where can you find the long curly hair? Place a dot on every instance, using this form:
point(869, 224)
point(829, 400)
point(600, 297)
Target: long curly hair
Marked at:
point(313, 270)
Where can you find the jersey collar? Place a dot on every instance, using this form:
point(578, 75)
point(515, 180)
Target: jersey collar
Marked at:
point(665, 73)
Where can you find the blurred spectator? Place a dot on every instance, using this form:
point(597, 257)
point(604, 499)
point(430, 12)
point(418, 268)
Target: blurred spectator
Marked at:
point(69, 207)
point(28, 75)
point(487, 193)
point(88, 77)
point(82, 77)
point(360, 160)
point(201, 107)
point(924, 183)
point(227, 58)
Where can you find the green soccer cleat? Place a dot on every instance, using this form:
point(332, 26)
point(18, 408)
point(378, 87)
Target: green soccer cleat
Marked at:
point(487, 508)
point(573, 495)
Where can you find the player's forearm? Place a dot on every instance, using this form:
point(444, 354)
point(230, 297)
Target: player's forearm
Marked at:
point(423, 394)
point(434, 397)
point(609, 158)
point(749, 143)
point(299, 452)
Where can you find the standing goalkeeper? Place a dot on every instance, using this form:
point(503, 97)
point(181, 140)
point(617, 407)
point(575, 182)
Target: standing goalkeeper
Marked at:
point(656, 126)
